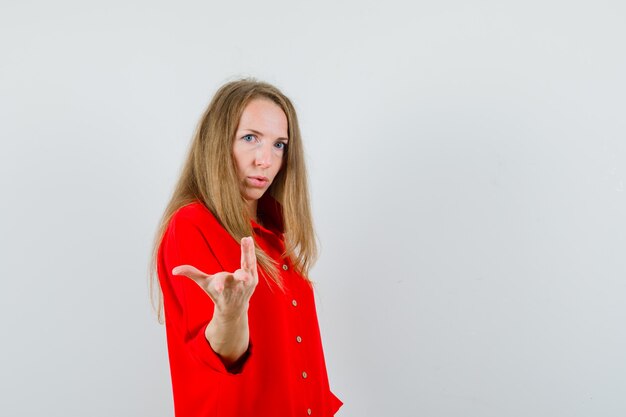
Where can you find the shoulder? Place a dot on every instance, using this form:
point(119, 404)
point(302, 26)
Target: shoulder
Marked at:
point(194, 236)
point(195, 215)
point(195, 221)
point(192, 211)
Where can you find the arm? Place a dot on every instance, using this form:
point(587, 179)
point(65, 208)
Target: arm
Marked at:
point(228, 332)
point(229, 339)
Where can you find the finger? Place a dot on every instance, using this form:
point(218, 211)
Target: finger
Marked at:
point(241, 275)
point(221, 281)
point(244, 259)
point(218, 283)
point(190, 272)
point(248, 257)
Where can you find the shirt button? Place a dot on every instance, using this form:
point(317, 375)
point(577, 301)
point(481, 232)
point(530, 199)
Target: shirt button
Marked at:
point(285, 267)
point(294, 303)
point(308, 411)
point(304, 375)
point(298, 339)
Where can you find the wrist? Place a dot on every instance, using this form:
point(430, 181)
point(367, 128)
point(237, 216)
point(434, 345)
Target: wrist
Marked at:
point(230, 318)
point(229, 339)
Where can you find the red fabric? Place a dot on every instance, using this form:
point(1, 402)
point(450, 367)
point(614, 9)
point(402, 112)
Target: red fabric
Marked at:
point(284, 332)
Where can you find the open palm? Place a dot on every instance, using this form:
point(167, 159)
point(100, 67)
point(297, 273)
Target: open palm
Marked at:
point(230, 291)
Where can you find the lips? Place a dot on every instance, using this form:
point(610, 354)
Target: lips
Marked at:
point(258, 181)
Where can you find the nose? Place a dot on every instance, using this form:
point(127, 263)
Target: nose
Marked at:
point(263, 157)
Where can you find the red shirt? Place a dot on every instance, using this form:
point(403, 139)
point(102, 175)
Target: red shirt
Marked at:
point(284, 373)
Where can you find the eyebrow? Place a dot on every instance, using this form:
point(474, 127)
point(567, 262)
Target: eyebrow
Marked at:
point(256, 132)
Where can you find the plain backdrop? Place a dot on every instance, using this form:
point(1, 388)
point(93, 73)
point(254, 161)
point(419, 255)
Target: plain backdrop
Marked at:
point(467, 171)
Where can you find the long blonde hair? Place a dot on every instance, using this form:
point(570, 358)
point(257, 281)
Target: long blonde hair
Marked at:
point(209, 175)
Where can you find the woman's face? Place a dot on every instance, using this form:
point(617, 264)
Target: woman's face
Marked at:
point(259, 147)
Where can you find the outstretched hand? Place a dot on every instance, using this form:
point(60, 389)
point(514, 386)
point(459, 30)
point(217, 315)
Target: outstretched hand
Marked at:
point(230, 291)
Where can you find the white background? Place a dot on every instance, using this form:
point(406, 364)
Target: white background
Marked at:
point(467, 166)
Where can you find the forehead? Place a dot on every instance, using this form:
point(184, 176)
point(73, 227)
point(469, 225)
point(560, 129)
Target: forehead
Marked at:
point(265, 116)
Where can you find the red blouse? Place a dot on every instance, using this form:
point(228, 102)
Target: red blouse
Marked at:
point(283, 373)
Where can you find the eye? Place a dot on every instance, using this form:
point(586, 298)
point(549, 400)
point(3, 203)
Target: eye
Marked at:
point(248, 138)
point(280, 145)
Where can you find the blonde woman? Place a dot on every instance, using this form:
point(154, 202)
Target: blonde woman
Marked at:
point(232, 255)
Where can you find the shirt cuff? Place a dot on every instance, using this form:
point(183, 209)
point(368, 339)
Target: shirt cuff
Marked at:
point(202, 350)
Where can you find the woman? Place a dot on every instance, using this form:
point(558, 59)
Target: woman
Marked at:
point(232, 254)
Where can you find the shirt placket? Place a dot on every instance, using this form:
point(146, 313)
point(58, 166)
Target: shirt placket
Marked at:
point(299, 339)
point(302, 370)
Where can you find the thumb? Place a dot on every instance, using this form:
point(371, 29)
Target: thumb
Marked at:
point(190, 272)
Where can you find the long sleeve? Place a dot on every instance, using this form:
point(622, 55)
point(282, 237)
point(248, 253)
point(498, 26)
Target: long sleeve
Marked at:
point(187, 306)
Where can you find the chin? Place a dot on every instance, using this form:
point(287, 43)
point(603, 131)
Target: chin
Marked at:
point(255, 195)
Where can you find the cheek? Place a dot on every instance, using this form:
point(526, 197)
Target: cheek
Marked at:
point(280, 161)
point(239, 159)
point(280, 170)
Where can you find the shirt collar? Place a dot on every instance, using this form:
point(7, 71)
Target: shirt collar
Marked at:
point(271, 212)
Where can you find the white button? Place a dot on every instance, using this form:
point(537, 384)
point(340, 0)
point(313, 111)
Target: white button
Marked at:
point(298, 339)
point(294, 303)
point(308, 411)
point(304, 375)
point(285, 267)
